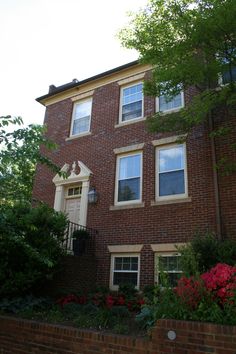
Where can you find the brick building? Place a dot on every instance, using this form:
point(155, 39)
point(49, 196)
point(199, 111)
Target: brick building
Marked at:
point(153, 192)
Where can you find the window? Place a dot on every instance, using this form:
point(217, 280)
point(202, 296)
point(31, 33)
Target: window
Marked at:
point(131, 102)
point(128, 180)
point(228, 73)
point(164, 104)
point(168, 269)
point(124, 270)
point(81, 117)
point(74, 191)
point(171, 172)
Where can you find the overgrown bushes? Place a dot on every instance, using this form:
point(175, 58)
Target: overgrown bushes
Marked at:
point(30, 246)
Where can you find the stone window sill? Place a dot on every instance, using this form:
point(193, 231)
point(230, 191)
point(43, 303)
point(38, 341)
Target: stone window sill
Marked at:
point(131, 121)
point(171, 201)
point(127, 206)
point(78, 136)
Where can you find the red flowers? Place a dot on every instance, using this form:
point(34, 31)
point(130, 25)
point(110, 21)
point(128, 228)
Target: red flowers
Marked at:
point(104, 300)
point(190, 291)
point(219, 284)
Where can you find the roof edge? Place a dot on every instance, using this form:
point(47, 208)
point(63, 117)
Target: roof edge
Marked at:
point(74, 84)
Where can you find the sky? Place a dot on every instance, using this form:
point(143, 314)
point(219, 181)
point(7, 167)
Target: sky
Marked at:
point(44, 42)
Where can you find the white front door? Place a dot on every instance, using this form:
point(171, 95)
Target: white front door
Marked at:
point(72, 209)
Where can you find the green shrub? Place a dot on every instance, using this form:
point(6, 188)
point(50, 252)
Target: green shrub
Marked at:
point(30, 247)
point(204, 252)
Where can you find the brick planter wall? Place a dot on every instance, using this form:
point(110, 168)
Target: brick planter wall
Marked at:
point(23, 336)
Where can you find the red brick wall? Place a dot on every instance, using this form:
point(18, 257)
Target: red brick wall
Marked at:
point(77, 273)
point(22, 336)
point(151, 224)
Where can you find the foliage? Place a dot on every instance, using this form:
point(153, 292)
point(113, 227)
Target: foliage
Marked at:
point(127, 299)
point(188, 43)
point(190, 291)
point(204, 252)
point(30, 246)
point(208, 298)
point(19, 304)
point(19, 153)
point(81, 233)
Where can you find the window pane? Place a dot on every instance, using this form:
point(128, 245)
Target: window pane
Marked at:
point(165, 104)
point(172, 263)
point(126, 263)
point(129, 189)
point(129, 167)
point(171, 159)
point(118, 263)
point(132, 111)
point(162, 263)
point(132, 102)
point(125, 278)
point(134, 263)
point(81, 125)
point(226, 76)
point(132, 91)
point(83, 109)
point(171, 183)
point(70, 191)
point(171, 277)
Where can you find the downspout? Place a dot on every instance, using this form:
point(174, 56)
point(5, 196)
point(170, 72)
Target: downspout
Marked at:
point(215, 182)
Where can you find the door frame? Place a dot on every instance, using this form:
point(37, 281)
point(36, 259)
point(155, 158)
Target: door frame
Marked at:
point(61, 183)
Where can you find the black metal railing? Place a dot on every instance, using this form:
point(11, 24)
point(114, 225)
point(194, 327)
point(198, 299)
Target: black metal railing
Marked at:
point(79, 239)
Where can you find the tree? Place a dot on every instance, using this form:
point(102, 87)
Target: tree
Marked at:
point(19, 153)
point(30, 246)
point(191, 44)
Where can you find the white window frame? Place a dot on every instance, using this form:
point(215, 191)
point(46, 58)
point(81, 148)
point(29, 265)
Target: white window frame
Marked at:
point(73, 117)
point(67, 196)
point(172, 110)
point(172, 196)
point(123, 255)
point(119, 157)
point(164, 254)
point(121, 103)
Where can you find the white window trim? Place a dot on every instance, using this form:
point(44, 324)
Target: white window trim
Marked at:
point(113, 256)
point(125, 122)
point(164, 254)
point(174, 196)
point(128, 202)
point(172, 110)
point(72, 119)
point(74, 195)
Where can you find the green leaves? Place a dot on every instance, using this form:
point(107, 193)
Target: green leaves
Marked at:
point(191, 45)
point(19, 154)
point(30, 246)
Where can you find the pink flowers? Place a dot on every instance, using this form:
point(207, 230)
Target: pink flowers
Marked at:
point(219, 284)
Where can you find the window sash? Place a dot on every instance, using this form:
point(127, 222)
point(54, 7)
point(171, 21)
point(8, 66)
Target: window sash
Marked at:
point(173, 273)
point(171, 105)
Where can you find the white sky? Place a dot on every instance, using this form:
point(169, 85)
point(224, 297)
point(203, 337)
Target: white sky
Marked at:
point(45, 42)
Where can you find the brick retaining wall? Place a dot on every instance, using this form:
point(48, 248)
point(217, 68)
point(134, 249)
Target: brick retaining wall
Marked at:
point(23, 336)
